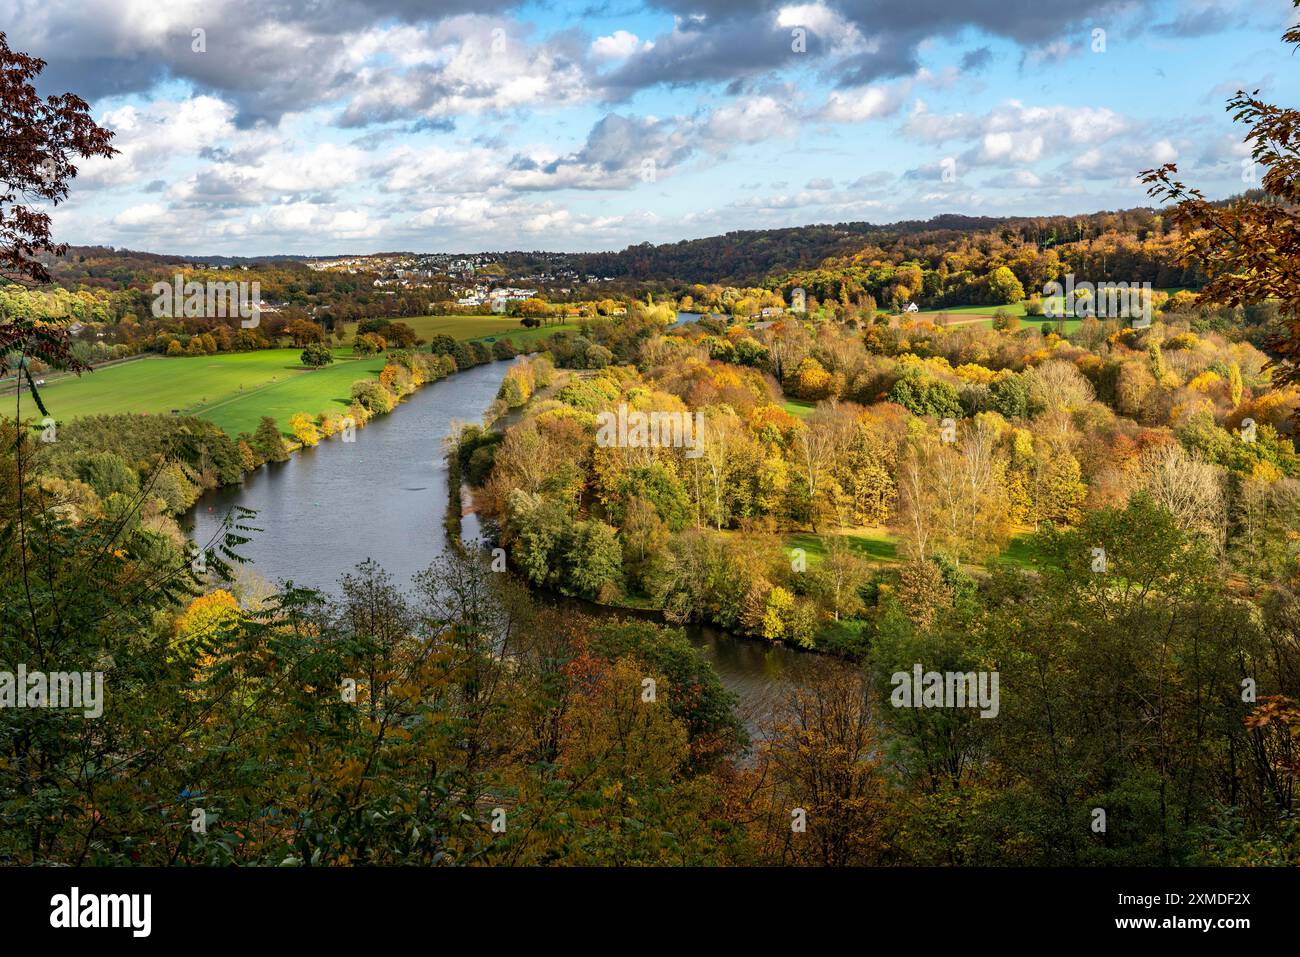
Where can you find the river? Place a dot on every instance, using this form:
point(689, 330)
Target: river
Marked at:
point(384, 497)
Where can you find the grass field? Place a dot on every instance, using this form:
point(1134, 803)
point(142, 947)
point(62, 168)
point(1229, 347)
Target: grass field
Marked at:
point(234, 390)
point(880, 546)
point(474, 327)
point(801, 408)
point(1020, 552)
point(983, 315)
point(323, 390)
point(873, 544)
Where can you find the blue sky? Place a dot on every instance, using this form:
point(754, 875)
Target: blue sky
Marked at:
point(335, 126)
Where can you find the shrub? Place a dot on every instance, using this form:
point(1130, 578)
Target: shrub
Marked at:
point(371, 395)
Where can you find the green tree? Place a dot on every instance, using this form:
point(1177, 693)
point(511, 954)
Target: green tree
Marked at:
point(268, 442)
point(108, 474)
point(594, 560)
point(317, 354)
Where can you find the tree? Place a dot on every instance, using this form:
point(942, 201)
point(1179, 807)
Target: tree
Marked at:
point(371, 395)
point(369, 344)
point(820, 753)
point(268, 442)
point(402, 334)
point(1004, 287)
point(304, 428)
point(108, 474)
point(811, 380)
point(924, 395)
point(40, 139)
point(303, 331)
point(1250, 248)
point(1057, 384)
point(779, 615)
point(725, 448)
point(1234, 384)
point(645, 540)
point(838, 579)
point(922, 591)
point(951, 500)
point(817, 443)
point(1186, 487)
point(316, 355)
point(535, 308)
point(516, 387)
point(540, 530)
point(595, 561)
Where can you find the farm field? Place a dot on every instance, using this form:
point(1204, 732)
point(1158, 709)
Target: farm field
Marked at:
point(233, 389)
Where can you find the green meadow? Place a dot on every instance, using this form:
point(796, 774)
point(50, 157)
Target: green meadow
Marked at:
point(880, 546)
point(876, 545)
point(801, 408)
point(234, 389)
point(474, 327)
point(984, 314)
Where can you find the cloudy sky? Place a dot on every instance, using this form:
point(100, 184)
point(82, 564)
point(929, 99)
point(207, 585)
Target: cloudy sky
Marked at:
point(252, 127)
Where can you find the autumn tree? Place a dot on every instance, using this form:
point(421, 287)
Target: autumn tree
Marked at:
point(824, 796)
point(1249, 249)
point(42, 138)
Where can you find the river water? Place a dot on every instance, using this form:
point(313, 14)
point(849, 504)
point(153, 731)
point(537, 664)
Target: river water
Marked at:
point(384, 497)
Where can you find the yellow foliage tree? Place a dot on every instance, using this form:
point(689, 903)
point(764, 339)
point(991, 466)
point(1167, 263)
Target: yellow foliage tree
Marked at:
point(205, 620)
point(304, 428)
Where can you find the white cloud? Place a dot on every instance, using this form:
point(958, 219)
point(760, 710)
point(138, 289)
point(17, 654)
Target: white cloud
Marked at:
point(618, 46)
point(863, 103)
point(147, 214)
